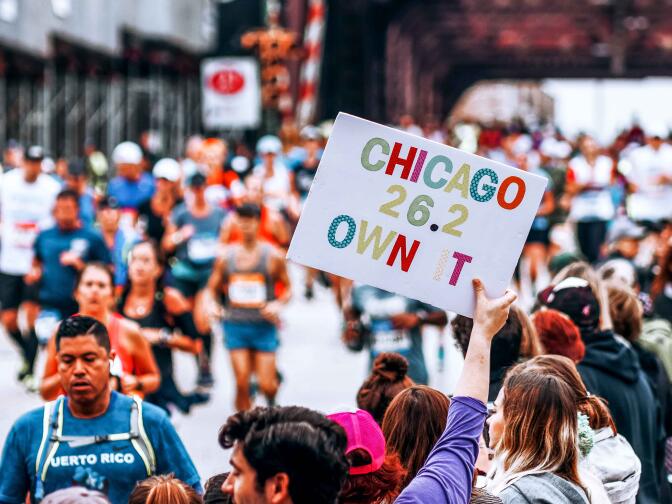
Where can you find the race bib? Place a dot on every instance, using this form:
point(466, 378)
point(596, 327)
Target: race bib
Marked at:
point(388, 339)
point(202, 249)
point(79, 247)
point(397, 341)
point(247, 290)
point(25, 234)
point(128, 219)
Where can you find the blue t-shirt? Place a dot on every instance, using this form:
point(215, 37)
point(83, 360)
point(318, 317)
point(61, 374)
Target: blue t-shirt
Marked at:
point(87, 210)
point(58, 282)
point(376, 307)
point(123, 241)
point(118, 461)
point(130, 194)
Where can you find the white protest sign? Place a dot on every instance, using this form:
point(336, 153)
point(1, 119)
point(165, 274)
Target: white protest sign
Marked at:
point(231, 93)
point(414, 217)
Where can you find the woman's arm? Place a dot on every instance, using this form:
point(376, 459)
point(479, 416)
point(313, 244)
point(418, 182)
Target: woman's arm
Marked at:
point(147, 377)
point(178, 307)
point(51, 388)
point(448, 471)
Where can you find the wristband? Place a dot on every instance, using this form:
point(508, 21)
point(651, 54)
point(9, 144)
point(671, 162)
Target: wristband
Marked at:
point(164, 336)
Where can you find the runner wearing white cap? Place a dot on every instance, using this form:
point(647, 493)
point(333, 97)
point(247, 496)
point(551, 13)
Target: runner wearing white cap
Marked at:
point(154, 213)
point(131, 186)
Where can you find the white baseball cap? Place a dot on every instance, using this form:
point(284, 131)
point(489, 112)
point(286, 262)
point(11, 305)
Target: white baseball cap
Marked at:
point(167, 168)
point(269, 144)
point(127, 153)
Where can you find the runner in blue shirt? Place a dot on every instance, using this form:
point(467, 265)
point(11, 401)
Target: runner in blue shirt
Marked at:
point(387, 322)
point(131, 187)
point(92, 436)
point(60, 253)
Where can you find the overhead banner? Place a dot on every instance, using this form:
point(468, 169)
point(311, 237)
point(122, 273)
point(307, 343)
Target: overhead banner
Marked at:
point(414, 217)
point(231, 93)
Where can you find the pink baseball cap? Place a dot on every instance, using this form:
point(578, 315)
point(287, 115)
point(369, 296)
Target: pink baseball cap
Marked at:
point(363, 433)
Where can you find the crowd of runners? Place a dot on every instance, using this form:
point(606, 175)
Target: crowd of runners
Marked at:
point(110, 266)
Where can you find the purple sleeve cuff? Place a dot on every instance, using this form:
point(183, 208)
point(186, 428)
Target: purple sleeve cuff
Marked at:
point(474, 404)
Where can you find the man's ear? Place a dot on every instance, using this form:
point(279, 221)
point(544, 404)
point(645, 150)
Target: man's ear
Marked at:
point(277, 489)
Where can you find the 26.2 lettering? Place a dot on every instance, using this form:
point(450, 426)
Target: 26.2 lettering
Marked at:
point(419, 212)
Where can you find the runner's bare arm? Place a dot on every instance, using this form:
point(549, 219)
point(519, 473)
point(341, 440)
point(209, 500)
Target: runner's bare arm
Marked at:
point(225, 232)
point(547, 204)
point(280, 229)
point(216, 281)
point(35, 272)
point(279, 269)
point(50, 388)
point(178, 307)
point(174, 236)
point(147, 377)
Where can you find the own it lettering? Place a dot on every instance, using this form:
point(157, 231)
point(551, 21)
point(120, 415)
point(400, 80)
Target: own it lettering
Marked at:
point(400, 248)
point(377, 243)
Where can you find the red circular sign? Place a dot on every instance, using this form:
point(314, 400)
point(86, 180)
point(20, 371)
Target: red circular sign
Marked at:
point(227, 81)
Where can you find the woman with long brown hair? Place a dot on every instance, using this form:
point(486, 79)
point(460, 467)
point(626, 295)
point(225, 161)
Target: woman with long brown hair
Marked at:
point(661, 289)
point(534, 432)
point(166, 322)
point(413, 422)
point(611, 458)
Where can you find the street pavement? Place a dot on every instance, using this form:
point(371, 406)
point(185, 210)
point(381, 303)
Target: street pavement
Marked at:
point(318, 371)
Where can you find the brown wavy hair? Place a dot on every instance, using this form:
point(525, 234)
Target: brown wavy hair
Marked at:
point(594, 407)
point(165, 489)
point(381, 486)
point(530, 344)
point(412, 425)
point(664, 275)
point(626, 313)
point(388, 377)
point(540, 426)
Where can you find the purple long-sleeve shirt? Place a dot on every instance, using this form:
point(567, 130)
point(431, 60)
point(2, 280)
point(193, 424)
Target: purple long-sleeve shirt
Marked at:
point(447, 474)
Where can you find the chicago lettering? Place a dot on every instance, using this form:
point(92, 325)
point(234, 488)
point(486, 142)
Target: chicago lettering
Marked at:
point(438, 172)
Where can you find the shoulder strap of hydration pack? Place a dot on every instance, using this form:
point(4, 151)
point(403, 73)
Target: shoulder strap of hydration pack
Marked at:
point(52, 430)
point(139, 438)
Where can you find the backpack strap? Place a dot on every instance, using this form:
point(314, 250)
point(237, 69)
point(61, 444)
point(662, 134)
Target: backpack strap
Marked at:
point(52, 430)
point(139, 438)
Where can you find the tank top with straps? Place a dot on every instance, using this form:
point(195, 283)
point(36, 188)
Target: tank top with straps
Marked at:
point(248, 289)
point(156, 319)
point(114, 330)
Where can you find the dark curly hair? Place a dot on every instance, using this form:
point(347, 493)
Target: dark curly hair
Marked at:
point(506, 345)
point(302, 443)
point(79, 325)
point(388, 378)
point(213, 490)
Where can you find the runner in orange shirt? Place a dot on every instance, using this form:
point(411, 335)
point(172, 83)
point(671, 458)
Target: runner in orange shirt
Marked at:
point(134, 366)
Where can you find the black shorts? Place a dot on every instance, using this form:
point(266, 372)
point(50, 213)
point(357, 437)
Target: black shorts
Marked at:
point(539, 236)
point(14, 291)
